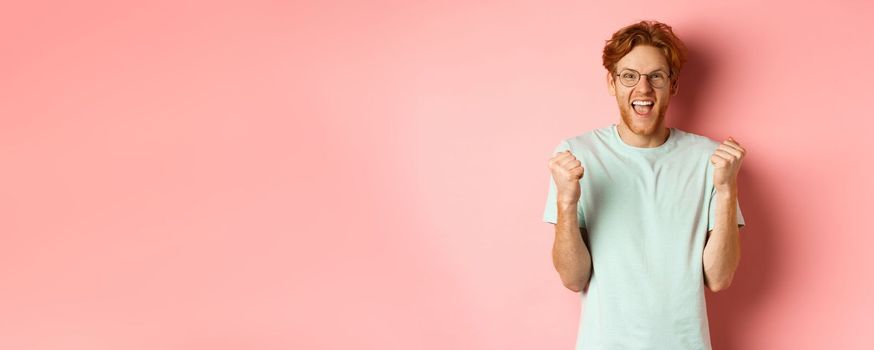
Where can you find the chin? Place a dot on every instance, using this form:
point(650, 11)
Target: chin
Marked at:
point(642, 128)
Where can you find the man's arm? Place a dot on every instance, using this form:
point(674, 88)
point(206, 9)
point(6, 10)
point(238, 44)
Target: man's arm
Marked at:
point(570, 256)
point(722, 248)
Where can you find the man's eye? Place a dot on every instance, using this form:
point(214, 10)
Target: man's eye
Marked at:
point(659, 76)
point(627, 75)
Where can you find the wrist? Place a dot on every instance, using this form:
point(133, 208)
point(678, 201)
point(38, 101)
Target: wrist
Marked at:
point(567, 204)
point(727, 190)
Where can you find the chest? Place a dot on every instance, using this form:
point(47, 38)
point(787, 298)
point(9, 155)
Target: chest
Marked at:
point(628, 190)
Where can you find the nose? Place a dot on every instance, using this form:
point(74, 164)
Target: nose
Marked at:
point(643, 84)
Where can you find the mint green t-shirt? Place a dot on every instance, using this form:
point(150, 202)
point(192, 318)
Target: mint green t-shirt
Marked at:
point(647, 212)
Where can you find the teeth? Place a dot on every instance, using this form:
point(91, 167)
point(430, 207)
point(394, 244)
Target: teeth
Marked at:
point(641, 103)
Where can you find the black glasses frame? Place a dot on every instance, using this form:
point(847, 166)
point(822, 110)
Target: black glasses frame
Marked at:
point(648, 76)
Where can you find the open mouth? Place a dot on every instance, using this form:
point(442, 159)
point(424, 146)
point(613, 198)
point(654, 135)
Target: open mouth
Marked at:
point(642, 107)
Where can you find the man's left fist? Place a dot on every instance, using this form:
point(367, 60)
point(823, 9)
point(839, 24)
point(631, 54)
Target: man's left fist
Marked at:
point(726, 163)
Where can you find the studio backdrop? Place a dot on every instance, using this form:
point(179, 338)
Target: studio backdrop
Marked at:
point(372, 174)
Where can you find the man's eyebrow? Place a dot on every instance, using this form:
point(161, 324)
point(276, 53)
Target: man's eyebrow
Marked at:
point(652, 71)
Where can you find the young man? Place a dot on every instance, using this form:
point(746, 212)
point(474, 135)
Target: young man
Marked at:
point(645, 216)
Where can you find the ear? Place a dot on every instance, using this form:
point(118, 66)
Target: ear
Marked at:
point(611, 87)
point(675, 86)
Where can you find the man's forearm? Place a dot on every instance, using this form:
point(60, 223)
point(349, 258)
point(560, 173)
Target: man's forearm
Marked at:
point(722, 249)
point(569, 252)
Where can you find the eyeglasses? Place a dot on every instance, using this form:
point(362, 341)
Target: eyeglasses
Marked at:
point(630, 77)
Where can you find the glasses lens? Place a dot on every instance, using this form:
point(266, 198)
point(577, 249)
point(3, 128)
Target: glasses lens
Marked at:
point(658, 79)
point(628, 78)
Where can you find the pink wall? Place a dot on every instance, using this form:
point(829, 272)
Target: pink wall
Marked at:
point(335, 175)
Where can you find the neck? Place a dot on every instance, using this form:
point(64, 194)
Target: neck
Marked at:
point(659, 137)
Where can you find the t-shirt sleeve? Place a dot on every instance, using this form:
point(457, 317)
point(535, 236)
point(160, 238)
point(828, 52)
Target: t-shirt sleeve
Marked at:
point(711, 218)
point(550, 213)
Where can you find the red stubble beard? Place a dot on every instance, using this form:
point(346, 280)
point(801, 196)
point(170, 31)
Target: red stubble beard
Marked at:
point(652, 124)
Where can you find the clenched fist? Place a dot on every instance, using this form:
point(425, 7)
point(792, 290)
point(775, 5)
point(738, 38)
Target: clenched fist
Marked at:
point(726, 163)
point(566, 172)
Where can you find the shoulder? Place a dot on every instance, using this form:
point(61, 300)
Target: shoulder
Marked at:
point(695, 142)
point(585, 142)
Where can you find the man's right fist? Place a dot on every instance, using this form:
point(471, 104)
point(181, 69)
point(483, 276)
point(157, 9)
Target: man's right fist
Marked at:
point(566, 172)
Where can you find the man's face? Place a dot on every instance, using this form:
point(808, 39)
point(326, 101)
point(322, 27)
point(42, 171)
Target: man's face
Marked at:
point(642, 119)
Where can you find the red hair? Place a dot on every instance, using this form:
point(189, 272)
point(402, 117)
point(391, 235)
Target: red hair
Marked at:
point(651, 33)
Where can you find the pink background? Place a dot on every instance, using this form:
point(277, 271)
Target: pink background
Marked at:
point(372, 175)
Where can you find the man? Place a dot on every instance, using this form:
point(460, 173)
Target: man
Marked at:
point(645, 216)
